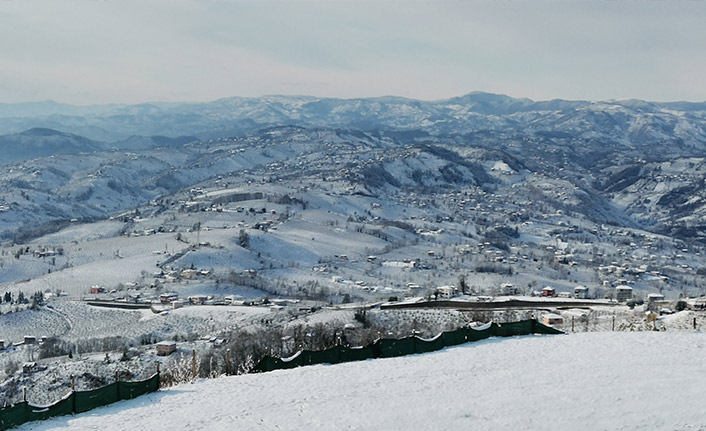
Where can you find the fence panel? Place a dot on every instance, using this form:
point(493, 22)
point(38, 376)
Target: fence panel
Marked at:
point(130, 390)
point(350, 354)
point(540, 328)
point(64, 406)
point(271, 363)
point(422, 345)
point(87, 400)
point(328, 356)
point(480, 333)
point(14, 416)
point(454, 338)
point(523, 327)
point(267, 363)
point(390, 348)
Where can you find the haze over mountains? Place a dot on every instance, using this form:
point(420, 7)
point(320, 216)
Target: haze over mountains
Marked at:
point(634, 162)
point(631, 120)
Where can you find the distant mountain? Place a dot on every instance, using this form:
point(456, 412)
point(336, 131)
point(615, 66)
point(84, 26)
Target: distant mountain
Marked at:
point(40, 142)
point(630, 122)
point(632, 163)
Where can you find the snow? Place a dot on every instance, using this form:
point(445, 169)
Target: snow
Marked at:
point(587, 381)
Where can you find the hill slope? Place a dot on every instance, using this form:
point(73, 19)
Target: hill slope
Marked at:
point(582, 381)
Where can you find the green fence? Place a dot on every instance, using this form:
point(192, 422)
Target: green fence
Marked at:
point(82, 401)
point(76, 402)
point(389, 348)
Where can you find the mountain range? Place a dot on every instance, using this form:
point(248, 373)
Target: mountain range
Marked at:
point(632, 163)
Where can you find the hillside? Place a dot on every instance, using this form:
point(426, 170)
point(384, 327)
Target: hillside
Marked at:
point(350, 212)
point(39, 142)
point(589, 381)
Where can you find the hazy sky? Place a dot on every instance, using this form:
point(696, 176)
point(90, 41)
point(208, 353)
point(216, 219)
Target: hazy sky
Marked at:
point(126, 51)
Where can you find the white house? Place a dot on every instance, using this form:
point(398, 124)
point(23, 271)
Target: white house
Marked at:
point(623, 293)
point(445, 291)
point(581, 292)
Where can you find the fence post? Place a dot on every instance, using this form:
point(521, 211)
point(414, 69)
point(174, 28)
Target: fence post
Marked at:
point(117, 382)
point(572, 323)
point(228, 362)
point(193, 364)
point(158, 367)
point(613, 323)
point(24, 394)
point(73, 390)
point(694, 323)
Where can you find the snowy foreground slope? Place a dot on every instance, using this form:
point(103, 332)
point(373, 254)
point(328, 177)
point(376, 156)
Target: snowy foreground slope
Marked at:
point(591, 381)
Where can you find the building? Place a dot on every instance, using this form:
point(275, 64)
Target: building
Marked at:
point(581, 292)
point(166, 348)
point(96, 290)
point(509, 289)
point(548, 291)
point(199, 299)
point(623, 293)
point(445, 291)
point(692, 304)
point(655, 297)
point(167, 298)
point(552, 319)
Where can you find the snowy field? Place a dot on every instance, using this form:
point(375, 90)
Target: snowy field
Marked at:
point(587, 381)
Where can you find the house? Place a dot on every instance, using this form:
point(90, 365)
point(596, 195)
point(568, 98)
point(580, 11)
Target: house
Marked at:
point(581, 292)
point(654, 297)
point(167, 298)
point(552, 319)
point(692, 304)
point(166, 348)
point(96, 290)
point(199, 299)
point(445, 291)
point(509, 289)
point(623, 293)
point(230, 299)
point(30, 339)
point(549, 291)
point(189, 274)
point(2, 344)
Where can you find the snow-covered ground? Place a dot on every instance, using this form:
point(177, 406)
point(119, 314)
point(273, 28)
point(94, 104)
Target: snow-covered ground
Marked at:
point(586, 381)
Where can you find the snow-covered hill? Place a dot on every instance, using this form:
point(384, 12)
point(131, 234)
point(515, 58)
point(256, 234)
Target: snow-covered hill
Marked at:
point(588, 381)
point(620, 121)
point(38, 142)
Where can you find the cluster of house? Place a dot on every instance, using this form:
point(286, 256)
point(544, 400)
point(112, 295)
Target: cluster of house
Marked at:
point(27, 340)
point(580, 292)
point(181, 274)
point(172, 298)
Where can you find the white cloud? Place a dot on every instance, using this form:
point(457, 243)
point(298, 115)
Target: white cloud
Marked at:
point(134, 51)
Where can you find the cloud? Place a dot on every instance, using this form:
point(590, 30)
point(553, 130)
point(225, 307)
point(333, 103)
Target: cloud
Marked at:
point(136, 51)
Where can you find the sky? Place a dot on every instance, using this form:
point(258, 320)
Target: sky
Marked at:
point(134, 51)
